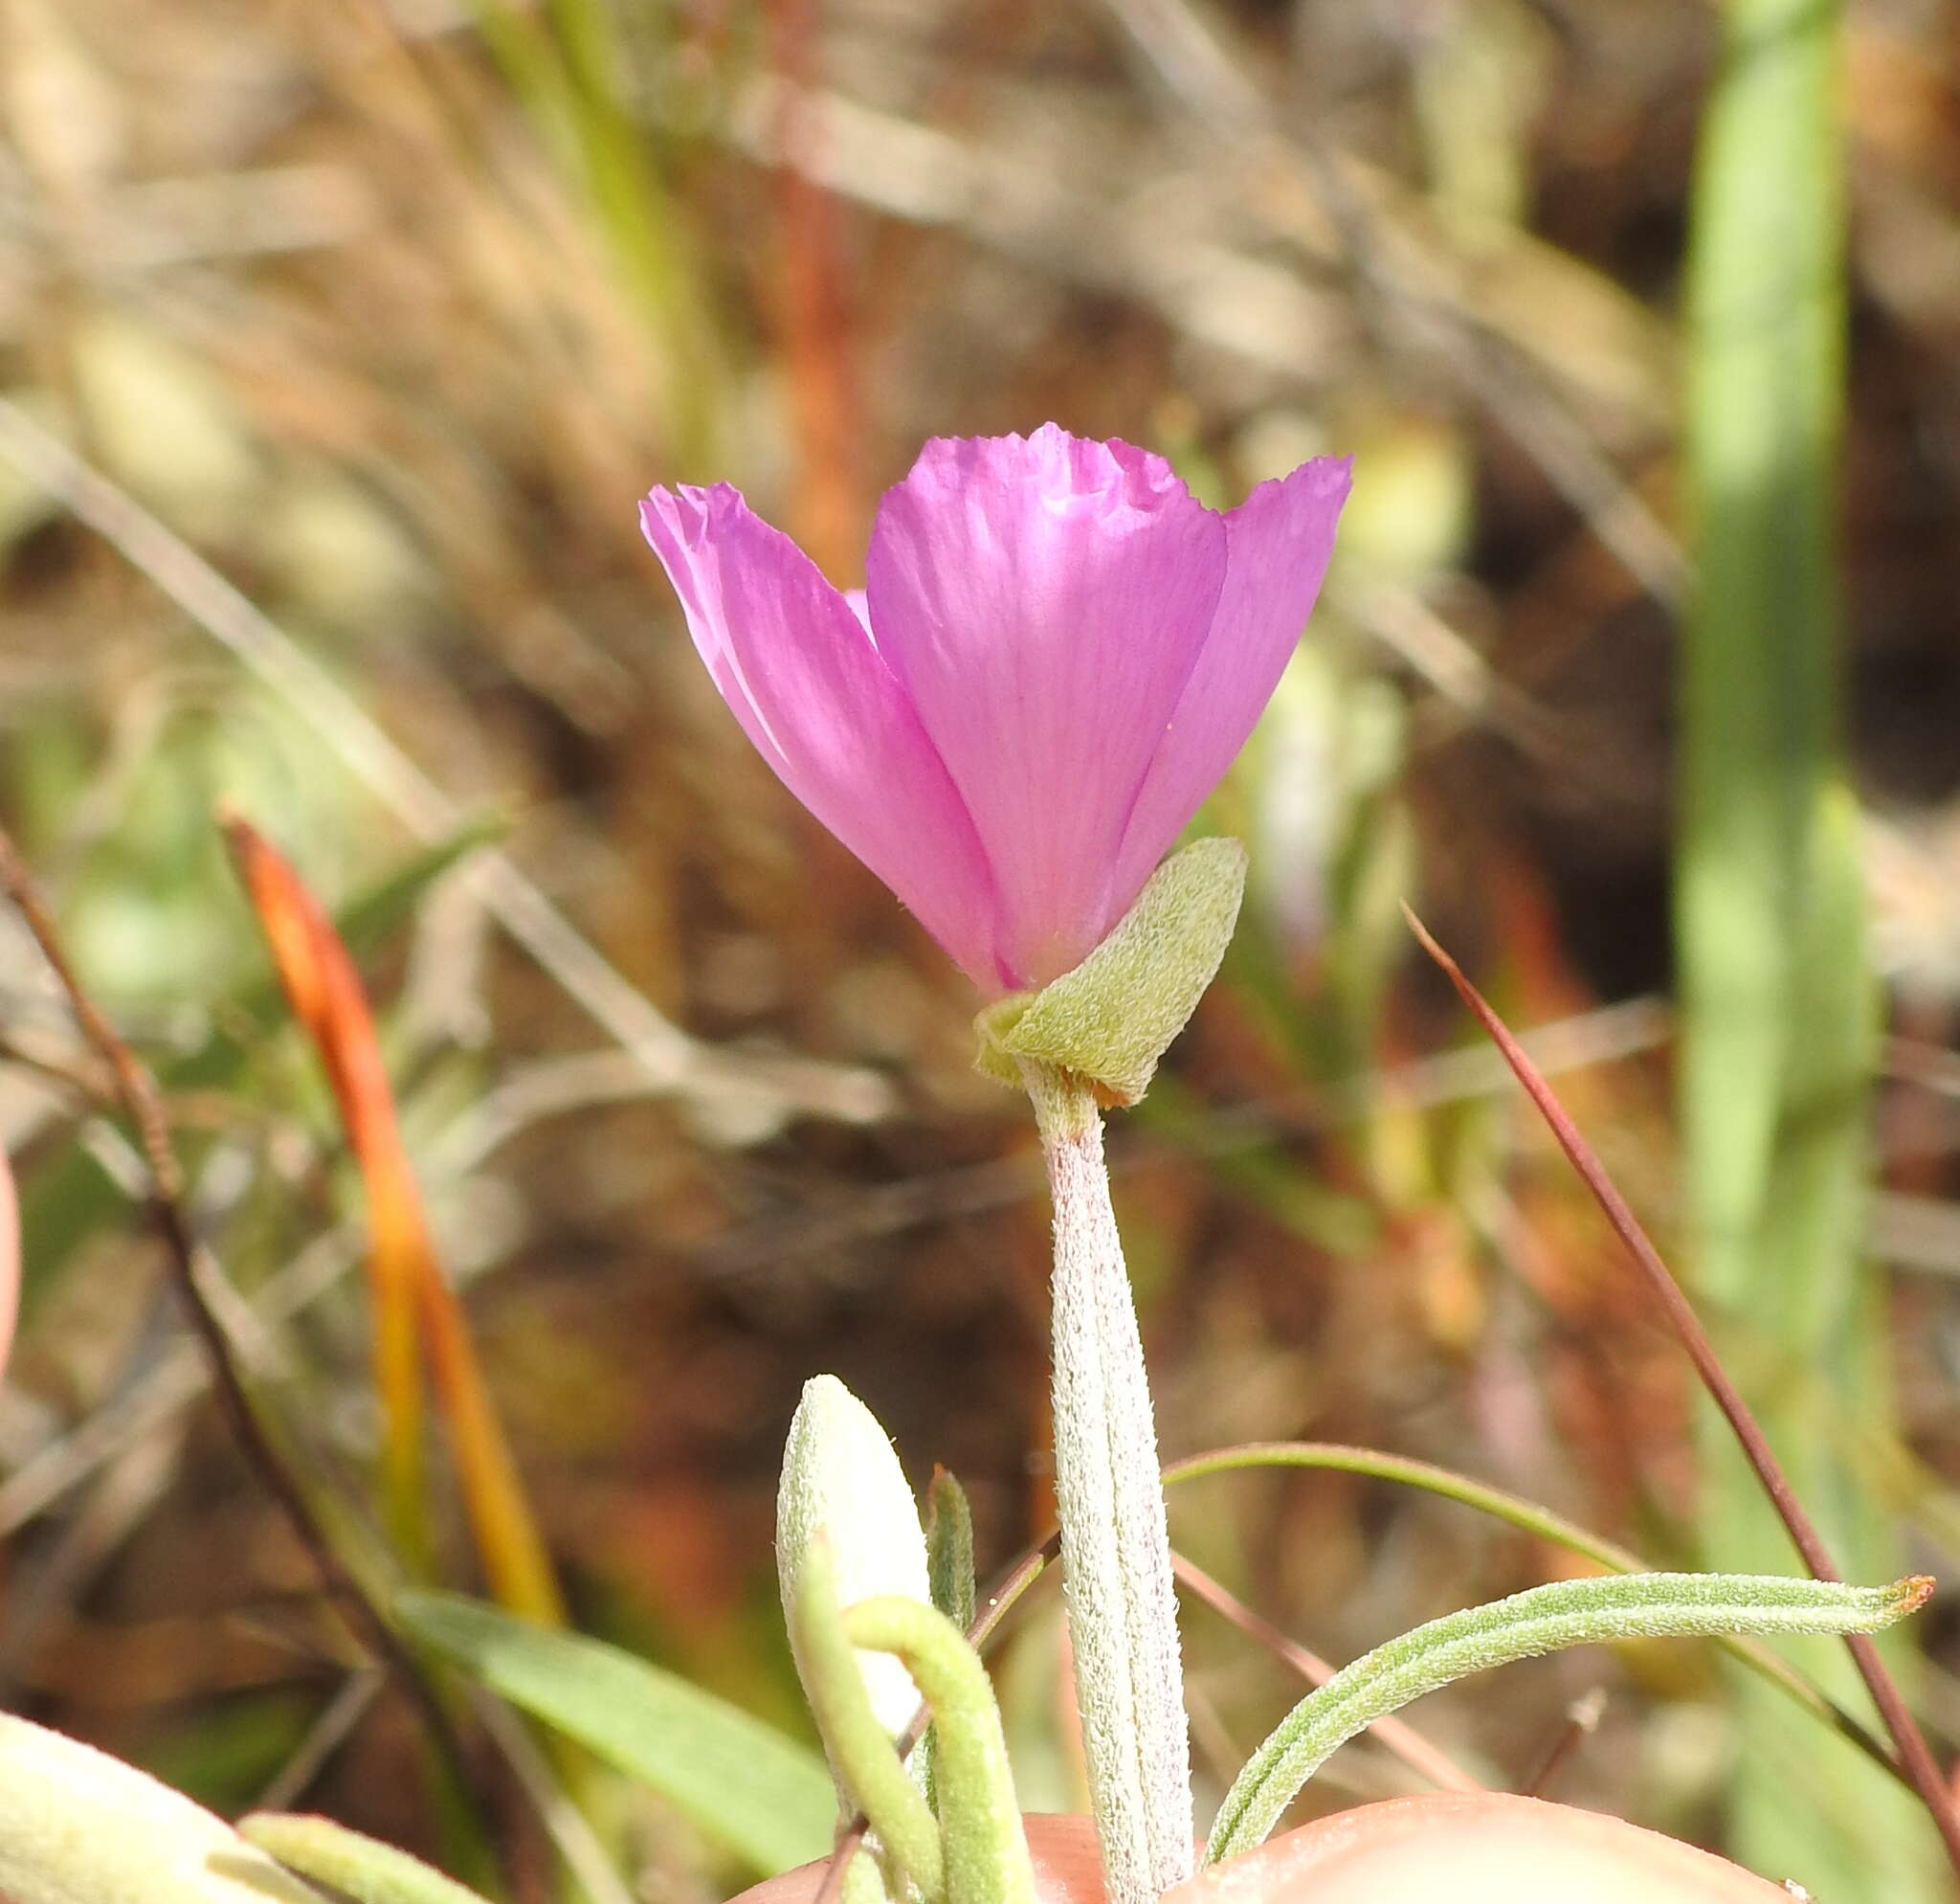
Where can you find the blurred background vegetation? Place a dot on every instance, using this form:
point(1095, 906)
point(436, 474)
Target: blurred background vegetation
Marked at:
point(336, 344)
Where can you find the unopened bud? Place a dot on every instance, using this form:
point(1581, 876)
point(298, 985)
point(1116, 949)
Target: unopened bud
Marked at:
point(841, 1477)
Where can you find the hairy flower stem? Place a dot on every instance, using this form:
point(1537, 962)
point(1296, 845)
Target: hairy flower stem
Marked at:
point(1115, 1545)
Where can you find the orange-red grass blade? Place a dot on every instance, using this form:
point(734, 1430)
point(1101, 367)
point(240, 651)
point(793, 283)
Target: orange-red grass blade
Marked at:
point(325, 999)
point(415, 1310)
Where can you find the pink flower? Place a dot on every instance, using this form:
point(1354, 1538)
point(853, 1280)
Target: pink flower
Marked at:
point(1058, 654)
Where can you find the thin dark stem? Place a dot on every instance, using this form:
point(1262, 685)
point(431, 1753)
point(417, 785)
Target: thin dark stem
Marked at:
point(1914, 1754)
point(137, 1092)
point(849, 1838)
point(1008, 1586)
point(1582, 1721)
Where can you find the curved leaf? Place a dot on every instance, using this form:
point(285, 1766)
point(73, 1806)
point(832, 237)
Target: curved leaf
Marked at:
point(762, 1796)
point(1566, 1613)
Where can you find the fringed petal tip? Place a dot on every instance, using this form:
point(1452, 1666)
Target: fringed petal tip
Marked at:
point(1278, 542)
point(1049, 462)
point(684, 518)
point(1326, 480)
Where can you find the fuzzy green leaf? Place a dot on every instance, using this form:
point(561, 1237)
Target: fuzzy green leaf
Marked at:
point(868, 1767)
point(950, 1549)
point(986, 1849)
point(1567, 1613)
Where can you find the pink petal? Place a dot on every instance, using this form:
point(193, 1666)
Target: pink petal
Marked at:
point(1278, 544)
point(1043, 600)
point(800, 673)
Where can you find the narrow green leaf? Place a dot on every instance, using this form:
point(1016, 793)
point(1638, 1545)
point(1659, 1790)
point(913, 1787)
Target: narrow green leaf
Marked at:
point(744, 1785)
point(1544, 1525)
point(359, 1867)
point(862, 1749)
point(987, 1858)
point(1567, 1613)
point(949, 1570)
point(950, 1549)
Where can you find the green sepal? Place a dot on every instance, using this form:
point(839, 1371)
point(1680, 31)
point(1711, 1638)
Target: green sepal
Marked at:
point(1115, 1014)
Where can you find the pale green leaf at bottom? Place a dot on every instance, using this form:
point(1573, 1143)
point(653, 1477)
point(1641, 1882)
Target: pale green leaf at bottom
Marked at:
point(80, 1827)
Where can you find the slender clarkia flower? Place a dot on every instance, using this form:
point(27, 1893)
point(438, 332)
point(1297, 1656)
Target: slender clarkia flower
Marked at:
point(1057, 653)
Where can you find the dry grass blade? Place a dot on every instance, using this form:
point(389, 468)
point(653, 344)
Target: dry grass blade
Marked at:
point(672, 1060)
point(324, 994)
point(415, 1310)
point(136, 1090)
point(1914, 1754)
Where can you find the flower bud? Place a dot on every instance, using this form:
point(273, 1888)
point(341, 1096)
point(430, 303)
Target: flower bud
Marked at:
point(841, 1477)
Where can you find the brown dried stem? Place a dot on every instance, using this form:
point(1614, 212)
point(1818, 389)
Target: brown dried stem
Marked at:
point(1914, 1754)
point(136, 1090)
point(1581, 1722)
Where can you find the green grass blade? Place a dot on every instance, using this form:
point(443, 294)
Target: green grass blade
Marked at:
point(765, 1798)
point(1778, 1030)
